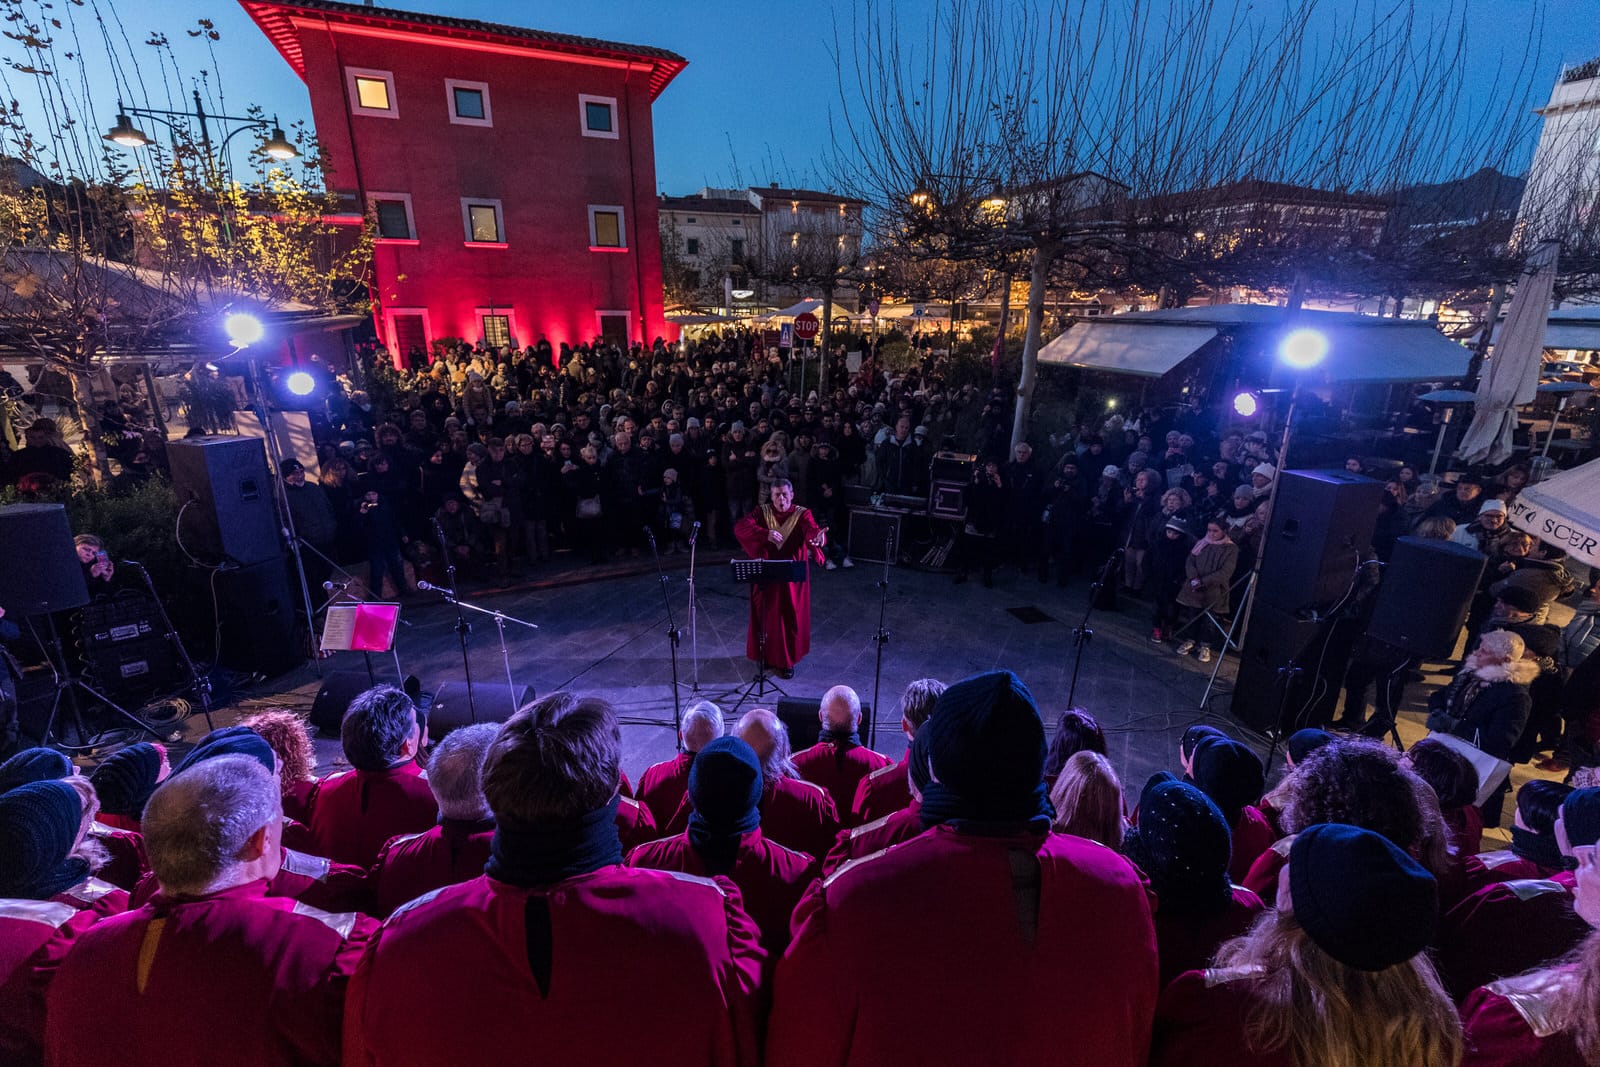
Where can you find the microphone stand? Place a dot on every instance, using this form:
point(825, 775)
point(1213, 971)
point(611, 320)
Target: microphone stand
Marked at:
point(463, 628)
point(500, 619)
point(199, 683)
point(673, 636)
point(880, 638)
point(1082, 634)
point(694, 622)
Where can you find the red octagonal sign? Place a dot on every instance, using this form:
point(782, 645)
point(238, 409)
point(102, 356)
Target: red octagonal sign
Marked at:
point(805, 326)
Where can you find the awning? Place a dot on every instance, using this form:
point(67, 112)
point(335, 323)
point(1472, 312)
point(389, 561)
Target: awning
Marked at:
point(1564, 510)
point(1395, 352)
point(1147, 349)
point(802, 308)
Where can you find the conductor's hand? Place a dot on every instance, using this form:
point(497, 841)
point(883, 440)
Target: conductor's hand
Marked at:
point(775, 536)
point(819, 540)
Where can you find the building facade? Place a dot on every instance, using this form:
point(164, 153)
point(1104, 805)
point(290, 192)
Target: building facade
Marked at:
point(1562, 197)
point(510, 172)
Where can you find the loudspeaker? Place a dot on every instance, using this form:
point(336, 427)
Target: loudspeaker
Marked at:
point(871, 531)
point(226, 495)
point(256, 618)
point(1426, 592)
point(339, 688)
point(799, 716)
point(494, 702)
point(1272, 638)
point(41, 573)
point(1321, 528)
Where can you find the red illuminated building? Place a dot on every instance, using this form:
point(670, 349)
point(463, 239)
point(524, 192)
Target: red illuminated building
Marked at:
point(511, 171)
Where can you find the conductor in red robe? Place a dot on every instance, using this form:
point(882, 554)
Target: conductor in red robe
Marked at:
point(780, 612)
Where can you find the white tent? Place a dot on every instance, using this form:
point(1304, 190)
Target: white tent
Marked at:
point(803, 307)
point(1564, 510)
point(1512, 374)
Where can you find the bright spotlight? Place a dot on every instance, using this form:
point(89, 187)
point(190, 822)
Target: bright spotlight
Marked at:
point(243, 330)
point(1247, 404)
point(300, 383)
point(1304, 349)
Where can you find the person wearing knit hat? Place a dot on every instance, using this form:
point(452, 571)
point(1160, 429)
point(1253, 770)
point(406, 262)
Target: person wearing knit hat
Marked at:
point(891, 829)
point(124, 781)
point(724, 838)
point(1302, 743)
point(986, 891)
point(229, 741)
point(1578, 825)
point(1339, 973)
point(39, 825)
point(1182, 844)
point(33, 765)
point(1261, 478)
point(1232, 776)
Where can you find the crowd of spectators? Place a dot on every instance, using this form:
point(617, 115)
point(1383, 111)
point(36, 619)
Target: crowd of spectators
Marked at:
point(750, 904)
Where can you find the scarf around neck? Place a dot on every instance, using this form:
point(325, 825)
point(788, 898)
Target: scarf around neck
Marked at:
point(543, 854)
point(1032, 813)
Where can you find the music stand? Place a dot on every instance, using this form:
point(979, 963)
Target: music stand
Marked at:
point(764, 572)
point(364, 628)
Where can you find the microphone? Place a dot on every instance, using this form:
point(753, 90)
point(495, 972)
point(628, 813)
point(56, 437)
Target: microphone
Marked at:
point(694, 531)
point(651, 534)
point(136, 563)
point(431, 588)
point(340, 587)
point(438, 530)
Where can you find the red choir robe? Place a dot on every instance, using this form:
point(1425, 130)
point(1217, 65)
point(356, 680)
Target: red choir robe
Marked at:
point(118, 822)
point(297, 801)
point(780, 610)
point(771, 879)
point(794, 813)
point(634, 824)
point(874, 836)
point(1506, 928)
point(1262, 879)
point(933, 923)
point(1200, 1022)
point(1508, 1024)
point(463, 951)
point(1187, 942)
point(883, 792)
point(256, 981)
point(354, 813)
point(35, 936)
point(1502, 865)
point(1253, 834)
point(1466, 829)
point(414, 864)
point(128, 863)
point(663, 786)
point(311, 880)
point(840, 770)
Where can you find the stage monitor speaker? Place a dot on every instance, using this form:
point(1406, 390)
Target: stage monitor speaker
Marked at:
point(493, 702)
point(232, 515)
point(871, 531)
point(1273, 638)
point(41, 573)
point(952, 467)
point(339, 689)
point(799, 716)
point(256, 618)
point(1321, 528)
point(1426, 592)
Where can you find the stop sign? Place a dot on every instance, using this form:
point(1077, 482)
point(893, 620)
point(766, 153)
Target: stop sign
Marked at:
point(805, 326)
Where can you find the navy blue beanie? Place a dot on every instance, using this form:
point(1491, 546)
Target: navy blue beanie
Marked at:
point(1194, 735)
point(724, 788)
point(1359, 897)
point(1580, 815)
point(1183, 844)
point(1302, 743)
point(230, 741)
point(1228, 773)
point(986, 745)
point(126, 778)
point(33, 765)
point(38, 826)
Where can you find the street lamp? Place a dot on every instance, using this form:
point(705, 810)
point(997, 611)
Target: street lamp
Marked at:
point(126, 134)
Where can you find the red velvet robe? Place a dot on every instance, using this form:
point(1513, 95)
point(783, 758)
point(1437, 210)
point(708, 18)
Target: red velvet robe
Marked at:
point(1187, 942)
point(1200, 1022)
point(128, 863)
point(1502, 865)
point(1262, 880)
point(634, 824)
point(916, 955)
point(771, 879)
point(1253, 834)
point(1504, 929)
point(781, 610)
point(256, 981)
point(35, 936)
point(312, 880)
point(881, 793)
point(1507, 1024)
point(355, 813)
point(794, 813)
point(663, 786)
point(839, 770)
point(875, 836)
point(414, 864)
point(461, 955)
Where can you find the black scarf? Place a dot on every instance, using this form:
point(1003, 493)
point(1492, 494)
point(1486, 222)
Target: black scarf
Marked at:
point(1029, 813)
point(1540, 849)
point(841, 740)
point(718, 845)
point(541, 855)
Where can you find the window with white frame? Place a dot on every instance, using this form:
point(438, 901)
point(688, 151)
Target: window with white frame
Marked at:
point(605, 227)
point(468, 102)
point(394, 217)
point(483, 221)
point(371, 93)
point(597, 116)
point(496, 330)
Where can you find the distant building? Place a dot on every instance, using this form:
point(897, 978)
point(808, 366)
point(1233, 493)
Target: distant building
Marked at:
point(1277, 211)
point(707, 239)
point(1563, 191)
point(511, 171)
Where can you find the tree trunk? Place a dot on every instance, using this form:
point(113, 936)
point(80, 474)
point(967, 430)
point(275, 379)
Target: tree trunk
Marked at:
point(827, 323)
point(99, 468)
point(1038, 279)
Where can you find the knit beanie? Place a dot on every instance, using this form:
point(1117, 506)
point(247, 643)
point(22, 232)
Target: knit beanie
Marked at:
point(1580, 814)
point(1302, 743)
point(33, 765)
point(1229, 774)
point(1183, 845)
point(126, 778)
point(38, 826)
point(230, 741)
point(1359, 897)
point(1194, 735)
point(725, 784)
point(986, 744)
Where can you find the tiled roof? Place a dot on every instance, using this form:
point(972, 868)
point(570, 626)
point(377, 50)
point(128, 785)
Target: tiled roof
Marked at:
point(274, 17)
point(708, 204)
point(775, 193)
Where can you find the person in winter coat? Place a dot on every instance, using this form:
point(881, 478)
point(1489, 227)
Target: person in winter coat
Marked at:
point(1208, 572)
point(1487, 703)
point(1168, 556)
point(1066, 517)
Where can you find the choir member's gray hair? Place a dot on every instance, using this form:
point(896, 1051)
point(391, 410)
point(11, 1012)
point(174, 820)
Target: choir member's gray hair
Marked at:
point(455, 771)
point(765, 733)
point(840, 697)
point(702, 724)
point(198, 822)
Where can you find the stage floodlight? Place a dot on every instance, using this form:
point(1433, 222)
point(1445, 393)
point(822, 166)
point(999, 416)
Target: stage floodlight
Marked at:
point(300, 383)
point(1304, 349)
point(1247, 403)
point(243, 330)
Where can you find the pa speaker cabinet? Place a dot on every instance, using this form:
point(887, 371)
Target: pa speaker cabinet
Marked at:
point(1321, 529)
point(873, 533)
point(225, 492)
point(1273, 638)
point(256, 618)
point(799, 715)
point(1426, 592)
point(491, 702)
point(40, 574)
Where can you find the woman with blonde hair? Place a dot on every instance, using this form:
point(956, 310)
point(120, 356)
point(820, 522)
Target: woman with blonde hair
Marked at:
point(1088, 799)
point(1336, 976)
point(290, 740)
